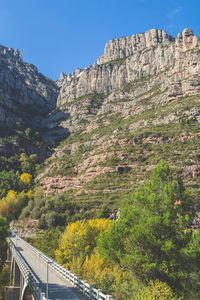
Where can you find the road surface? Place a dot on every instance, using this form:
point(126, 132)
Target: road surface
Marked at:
point(59, 288)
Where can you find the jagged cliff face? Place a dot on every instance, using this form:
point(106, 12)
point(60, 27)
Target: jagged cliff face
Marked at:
point(123, 60)
point(129, 59)
point(27, 99)
point(138, 104)
point(21, 85)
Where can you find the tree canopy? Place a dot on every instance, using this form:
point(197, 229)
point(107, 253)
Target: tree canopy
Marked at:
point(153, 237)
point(8, 180)
point(4, 232)
point(80, 238)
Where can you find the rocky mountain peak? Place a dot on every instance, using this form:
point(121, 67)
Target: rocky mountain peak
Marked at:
point(126, 46)
point(186, 40)
point(75, 99)
point(26, 98)
point(10, 52)
point(127, 59)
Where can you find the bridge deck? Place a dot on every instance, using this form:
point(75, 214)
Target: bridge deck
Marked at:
point(59, 288)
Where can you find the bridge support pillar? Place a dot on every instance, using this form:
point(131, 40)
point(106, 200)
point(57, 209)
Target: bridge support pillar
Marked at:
point(8, 260)
point(26, 293)
point(16, 275)
point(12, 292)
point(8, 254)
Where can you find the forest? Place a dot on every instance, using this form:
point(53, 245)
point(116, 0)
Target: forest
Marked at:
point(152, 251)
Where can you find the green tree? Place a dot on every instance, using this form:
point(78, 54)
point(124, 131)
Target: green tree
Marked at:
point(28, 163)
point(28, 133)
point(47, 242)
point(9, 181)
point(4, 280)
point(4, 232)
point(54, 219)
point(153, 237)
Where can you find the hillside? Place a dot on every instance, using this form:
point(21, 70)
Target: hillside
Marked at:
point(138, 104)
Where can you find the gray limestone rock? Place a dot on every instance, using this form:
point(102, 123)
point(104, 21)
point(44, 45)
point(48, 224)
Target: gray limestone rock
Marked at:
point(130, 58)
point(134, 74)
point(24, 92)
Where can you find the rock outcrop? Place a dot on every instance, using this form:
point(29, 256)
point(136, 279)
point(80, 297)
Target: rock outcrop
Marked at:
point(27, 100)
point(127, 46)
point(23, 88)
point(172, 63)
point(141, 82)
point(10, 52)
point(129, 58)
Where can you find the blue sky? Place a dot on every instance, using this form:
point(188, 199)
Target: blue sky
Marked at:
point(61, 35)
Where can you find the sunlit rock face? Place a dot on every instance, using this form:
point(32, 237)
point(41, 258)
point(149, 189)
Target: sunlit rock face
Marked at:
point(152, 68)
point(128, 58)
point(119, 108)
point(175, 62)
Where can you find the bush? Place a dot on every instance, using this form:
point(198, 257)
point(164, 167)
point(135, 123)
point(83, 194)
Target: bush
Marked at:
point(155, 290)
point(36, 213)
point(115, 161)
point(54, 219)
point(47, 242)
point(42, 223)
point(4, 280)
point(104, 212)
point(26, 178)
point(27, 210)
point(9, 181)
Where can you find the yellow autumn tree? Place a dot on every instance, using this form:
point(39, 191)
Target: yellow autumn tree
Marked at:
point(79, 240)
point(155, 290)
point(96, 267)
point(12, 204)
point(11, 200)
point(78, 251)
point(11, 194)
point(26, 178)
point(108, 277)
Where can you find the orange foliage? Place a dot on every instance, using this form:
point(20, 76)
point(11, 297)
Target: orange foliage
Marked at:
point(3, 208)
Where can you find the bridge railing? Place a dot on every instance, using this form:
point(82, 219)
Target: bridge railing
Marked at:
point(28, 275)
point(81, 285)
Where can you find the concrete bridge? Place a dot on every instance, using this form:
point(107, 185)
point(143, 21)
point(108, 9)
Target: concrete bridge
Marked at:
point(38, 277)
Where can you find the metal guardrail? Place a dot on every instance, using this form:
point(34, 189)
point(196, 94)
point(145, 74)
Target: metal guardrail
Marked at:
point(81, 285)
point(29, 277)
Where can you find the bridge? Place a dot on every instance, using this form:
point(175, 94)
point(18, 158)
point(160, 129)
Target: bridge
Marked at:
point(35, 276)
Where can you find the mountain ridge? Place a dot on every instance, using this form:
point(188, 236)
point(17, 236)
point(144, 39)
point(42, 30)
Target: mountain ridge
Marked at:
point(148, 111)
point(108, 125)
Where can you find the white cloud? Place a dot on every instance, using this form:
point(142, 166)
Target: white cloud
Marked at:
point(175, 12)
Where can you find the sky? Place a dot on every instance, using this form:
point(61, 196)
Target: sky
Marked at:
point(61, 35)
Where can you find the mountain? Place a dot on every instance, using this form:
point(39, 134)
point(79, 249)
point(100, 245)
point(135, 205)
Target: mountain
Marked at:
point(105, 127)
point(138, 104)
point(27, 99)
